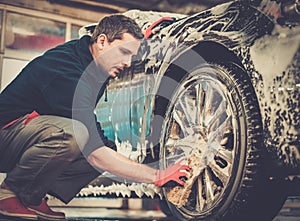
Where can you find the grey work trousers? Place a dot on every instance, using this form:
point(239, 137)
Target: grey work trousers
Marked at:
point(43, 157)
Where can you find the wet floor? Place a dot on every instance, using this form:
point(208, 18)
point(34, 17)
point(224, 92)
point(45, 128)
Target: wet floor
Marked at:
point(138, 210)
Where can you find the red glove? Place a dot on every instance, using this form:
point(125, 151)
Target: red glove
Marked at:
point(172, 173)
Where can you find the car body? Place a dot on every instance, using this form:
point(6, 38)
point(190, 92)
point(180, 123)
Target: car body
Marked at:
point(221, 86)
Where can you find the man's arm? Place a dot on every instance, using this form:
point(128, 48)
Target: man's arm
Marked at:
point(109, 160)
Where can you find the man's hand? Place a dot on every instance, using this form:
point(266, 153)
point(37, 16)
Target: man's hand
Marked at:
point(172, 173)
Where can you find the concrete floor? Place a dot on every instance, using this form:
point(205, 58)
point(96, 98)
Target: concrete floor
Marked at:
point(148, 212)
point(289, 212)
point(145, 209)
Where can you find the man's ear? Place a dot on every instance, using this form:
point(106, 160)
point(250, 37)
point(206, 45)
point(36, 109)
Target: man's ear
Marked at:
point(101, 40)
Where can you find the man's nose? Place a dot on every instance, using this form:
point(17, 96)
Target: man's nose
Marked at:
point(127, 62)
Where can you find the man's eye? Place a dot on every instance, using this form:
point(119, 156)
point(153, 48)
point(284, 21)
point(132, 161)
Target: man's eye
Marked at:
point(125, 52)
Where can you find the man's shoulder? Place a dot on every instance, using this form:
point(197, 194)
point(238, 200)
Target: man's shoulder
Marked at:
point(74, 51)
point(82, 42)
point(74, 45)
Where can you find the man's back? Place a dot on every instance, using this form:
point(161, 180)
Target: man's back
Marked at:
point(47, 83)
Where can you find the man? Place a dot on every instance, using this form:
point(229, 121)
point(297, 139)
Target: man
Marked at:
point(49, 140)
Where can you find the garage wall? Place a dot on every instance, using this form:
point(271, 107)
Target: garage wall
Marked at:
point(27, 33)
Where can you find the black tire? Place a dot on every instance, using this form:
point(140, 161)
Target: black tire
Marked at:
point(164, 207)
point(233, 186)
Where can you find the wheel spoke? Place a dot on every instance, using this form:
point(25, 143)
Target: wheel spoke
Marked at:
point(217, 135)
point(200, 199)
point(225, 155)
point(187, 105)
point(199, 103)
point(221, 173)
point(209, 188)
point(198, 195)
point(208, 99)
point(217, 117)
point(179, 117)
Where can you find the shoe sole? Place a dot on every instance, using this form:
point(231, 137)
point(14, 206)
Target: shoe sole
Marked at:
point(22, 216)
point(47, 216)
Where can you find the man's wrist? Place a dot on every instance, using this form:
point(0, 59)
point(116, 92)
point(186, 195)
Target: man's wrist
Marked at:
point(157, 178)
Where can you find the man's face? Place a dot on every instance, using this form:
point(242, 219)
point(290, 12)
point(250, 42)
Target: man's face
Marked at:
point(116, 55)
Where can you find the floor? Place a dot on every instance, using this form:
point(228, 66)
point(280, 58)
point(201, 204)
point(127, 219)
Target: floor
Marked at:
point(139, 210)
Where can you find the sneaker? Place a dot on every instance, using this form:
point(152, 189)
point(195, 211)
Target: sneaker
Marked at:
point(13, 207)
point(46, 213)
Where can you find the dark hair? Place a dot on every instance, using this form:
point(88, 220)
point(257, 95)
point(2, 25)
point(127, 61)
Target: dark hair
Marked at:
point(114, 26)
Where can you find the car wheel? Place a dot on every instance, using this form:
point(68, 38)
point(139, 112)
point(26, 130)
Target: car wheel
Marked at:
point(213, 113)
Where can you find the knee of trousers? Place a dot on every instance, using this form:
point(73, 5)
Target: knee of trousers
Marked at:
point(75, 139)
point(80, 133)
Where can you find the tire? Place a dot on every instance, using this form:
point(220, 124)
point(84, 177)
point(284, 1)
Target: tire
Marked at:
point(164, 207)
point(214, 108)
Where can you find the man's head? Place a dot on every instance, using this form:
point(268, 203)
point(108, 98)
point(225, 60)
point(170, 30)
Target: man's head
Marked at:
point(114, 41)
